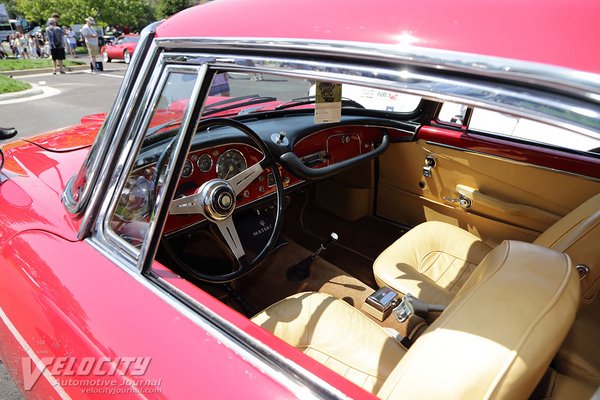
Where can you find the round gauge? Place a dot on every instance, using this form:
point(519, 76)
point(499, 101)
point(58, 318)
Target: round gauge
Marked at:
point(205, 163)
point(187, 170)
point(230, 163)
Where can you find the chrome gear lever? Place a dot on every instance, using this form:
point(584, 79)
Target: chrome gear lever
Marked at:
point(301, 270)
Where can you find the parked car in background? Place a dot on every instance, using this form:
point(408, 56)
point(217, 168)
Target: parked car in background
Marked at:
point(121, 49)
point(7, 28)
point(181, 245)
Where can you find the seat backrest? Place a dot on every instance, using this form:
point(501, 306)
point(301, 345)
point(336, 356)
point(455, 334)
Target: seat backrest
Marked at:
point(500, 332)
point(578, 235)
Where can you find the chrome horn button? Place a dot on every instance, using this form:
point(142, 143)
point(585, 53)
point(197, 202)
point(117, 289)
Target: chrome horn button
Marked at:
point(218, 199)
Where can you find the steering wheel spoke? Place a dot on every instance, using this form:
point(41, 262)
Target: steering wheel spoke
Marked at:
point(241, 181)
point(216, 201)
point(229, 232)
point(186, 205)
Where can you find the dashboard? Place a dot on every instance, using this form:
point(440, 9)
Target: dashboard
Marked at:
point(224, 162)
point(309, 152)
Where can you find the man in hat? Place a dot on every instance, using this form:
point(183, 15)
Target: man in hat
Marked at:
point(91, 40)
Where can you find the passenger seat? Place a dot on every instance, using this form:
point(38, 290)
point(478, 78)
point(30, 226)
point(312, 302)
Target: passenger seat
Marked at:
point(433, 260)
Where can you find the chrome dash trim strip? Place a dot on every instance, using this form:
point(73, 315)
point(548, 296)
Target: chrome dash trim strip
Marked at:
point(507, 159)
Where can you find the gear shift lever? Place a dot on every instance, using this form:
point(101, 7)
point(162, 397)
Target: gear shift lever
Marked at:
point(301, 270)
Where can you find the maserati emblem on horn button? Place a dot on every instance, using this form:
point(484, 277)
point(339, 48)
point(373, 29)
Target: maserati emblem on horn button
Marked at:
point(225, 200)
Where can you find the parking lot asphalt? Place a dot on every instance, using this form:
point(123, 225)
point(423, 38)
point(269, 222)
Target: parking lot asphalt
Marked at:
point(64, 100)
point(8, 390)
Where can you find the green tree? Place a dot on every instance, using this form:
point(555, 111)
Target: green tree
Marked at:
point(133, 13)
point(166, 8)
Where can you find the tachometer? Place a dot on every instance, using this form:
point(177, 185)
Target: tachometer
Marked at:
point(230, 163)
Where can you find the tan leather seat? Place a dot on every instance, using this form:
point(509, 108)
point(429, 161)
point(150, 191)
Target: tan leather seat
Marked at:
point(495, 339)
point(433, 260)
point(579, 355)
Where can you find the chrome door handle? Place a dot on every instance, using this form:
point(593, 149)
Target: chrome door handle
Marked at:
point(463, 202)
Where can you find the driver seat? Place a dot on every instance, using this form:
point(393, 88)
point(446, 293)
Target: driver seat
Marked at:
point(495, 339)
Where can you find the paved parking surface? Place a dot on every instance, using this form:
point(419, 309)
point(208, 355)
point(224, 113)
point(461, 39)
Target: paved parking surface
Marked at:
point(8, 390)
point(75, 95)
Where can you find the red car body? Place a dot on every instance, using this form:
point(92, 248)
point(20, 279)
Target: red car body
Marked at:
point(121, 49)
point(62, 296)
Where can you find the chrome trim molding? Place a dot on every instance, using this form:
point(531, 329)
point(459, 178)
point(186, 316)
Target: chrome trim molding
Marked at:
point(526, 164)
point(569, 111)
point(100, 158)
point(579, 83)
point(573, 105)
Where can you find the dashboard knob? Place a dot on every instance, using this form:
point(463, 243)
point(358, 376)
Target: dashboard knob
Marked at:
point(280, 139)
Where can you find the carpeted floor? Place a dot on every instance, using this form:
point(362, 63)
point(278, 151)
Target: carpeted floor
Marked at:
point(268, 283)
point(359, 243)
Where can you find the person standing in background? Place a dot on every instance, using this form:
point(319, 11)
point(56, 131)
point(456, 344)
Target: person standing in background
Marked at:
point(72, 42)
point(56, 41)
point(91, 40)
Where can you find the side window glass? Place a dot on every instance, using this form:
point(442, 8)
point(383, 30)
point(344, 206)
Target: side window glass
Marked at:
point(135, 208)
point(525, 129)
point(452, 113)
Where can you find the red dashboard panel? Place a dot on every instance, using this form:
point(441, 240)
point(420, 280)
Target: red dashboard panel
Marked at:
point(337, 144)
point(261, 187)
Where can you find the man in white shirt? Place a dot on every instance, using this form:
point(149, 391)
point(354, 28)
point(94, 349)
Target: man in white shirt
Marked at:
point(91, 40)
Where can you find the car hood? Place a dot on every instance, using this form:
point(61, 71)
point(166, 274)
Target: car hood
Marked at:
point(35, 173)
point(70, 138)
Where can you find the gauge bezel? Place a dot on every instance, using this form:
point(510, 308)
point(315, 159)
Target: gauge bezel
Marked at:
point(198, 162)
point(191, 164)
point(219, 161)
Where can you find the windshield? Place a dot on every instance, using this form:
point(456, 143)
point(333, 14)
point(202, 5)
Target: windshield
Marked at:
point(238, 93)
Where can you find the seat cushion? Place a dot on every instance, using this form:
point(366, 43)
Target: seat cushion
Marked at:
point(431, 261)
point(335, 334)
point(557, 386)
point(579, 355)
point(578, 235)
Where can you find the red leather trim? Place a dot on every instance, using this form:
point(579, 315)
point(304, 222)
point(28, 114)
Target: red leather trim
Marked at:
point(531, 154)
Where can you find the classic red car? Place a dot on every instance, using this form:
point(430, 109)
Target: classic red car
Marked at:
point(318, 200)
point(121, 49)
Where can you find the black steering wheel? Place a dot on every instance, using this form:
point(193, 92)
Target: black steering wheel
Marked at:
point(216, 201)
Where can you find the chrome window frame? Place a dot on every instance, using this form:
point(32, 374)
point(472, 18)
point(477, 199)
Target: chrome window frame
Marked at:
point(301, 382)
point(112, 131)
point(127, 159)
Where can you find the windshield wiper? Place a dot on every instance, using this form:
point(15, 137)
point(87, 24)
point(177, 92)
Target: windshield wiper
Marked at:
point(236, 102)
point(301, 101)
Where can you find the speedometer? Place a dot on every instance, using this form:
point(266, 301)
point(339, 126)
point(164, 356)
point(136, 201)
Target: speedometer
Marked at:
point(230, 163)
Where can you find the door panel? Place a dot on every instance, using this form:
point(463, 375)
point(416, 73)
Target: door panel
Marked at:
point(509, 198)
